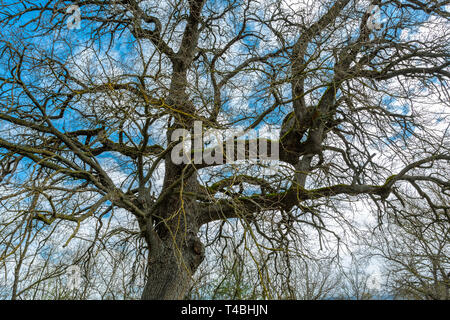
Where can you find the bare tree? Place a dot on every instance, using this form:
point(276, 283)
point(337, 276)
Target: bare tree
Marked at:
point(227, 274)
point(87, 118)
point(355, 280)
point(415, 246)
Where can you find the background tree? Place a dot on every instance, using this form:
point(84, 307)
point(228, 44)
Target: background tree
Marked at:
point(356, 281)
point(227, 274)
point(416, 250)
point(86, 119)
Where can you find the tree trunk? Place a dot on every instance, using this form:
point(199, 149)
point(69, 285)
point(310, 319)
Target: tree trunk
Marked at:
point(170, 273)
point(176, 254)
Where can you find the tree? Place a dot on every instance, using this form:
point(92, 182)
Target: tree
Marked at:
point(356, 281)
point(88, 116)
point(227, 274)
point(415, 247)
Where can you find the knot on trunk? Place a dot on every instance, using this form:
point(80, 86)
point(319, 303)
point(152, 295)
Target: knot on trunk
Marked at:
point(198, 250)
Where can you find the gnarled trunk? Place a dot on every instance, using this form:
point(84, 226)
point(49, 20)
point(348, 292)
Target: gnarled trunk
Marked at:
point(170, 272)
point(175, 250)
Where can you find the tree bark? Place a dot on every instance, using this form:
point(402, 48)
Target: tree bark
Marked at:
point(170, 272)
point(177, 251)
